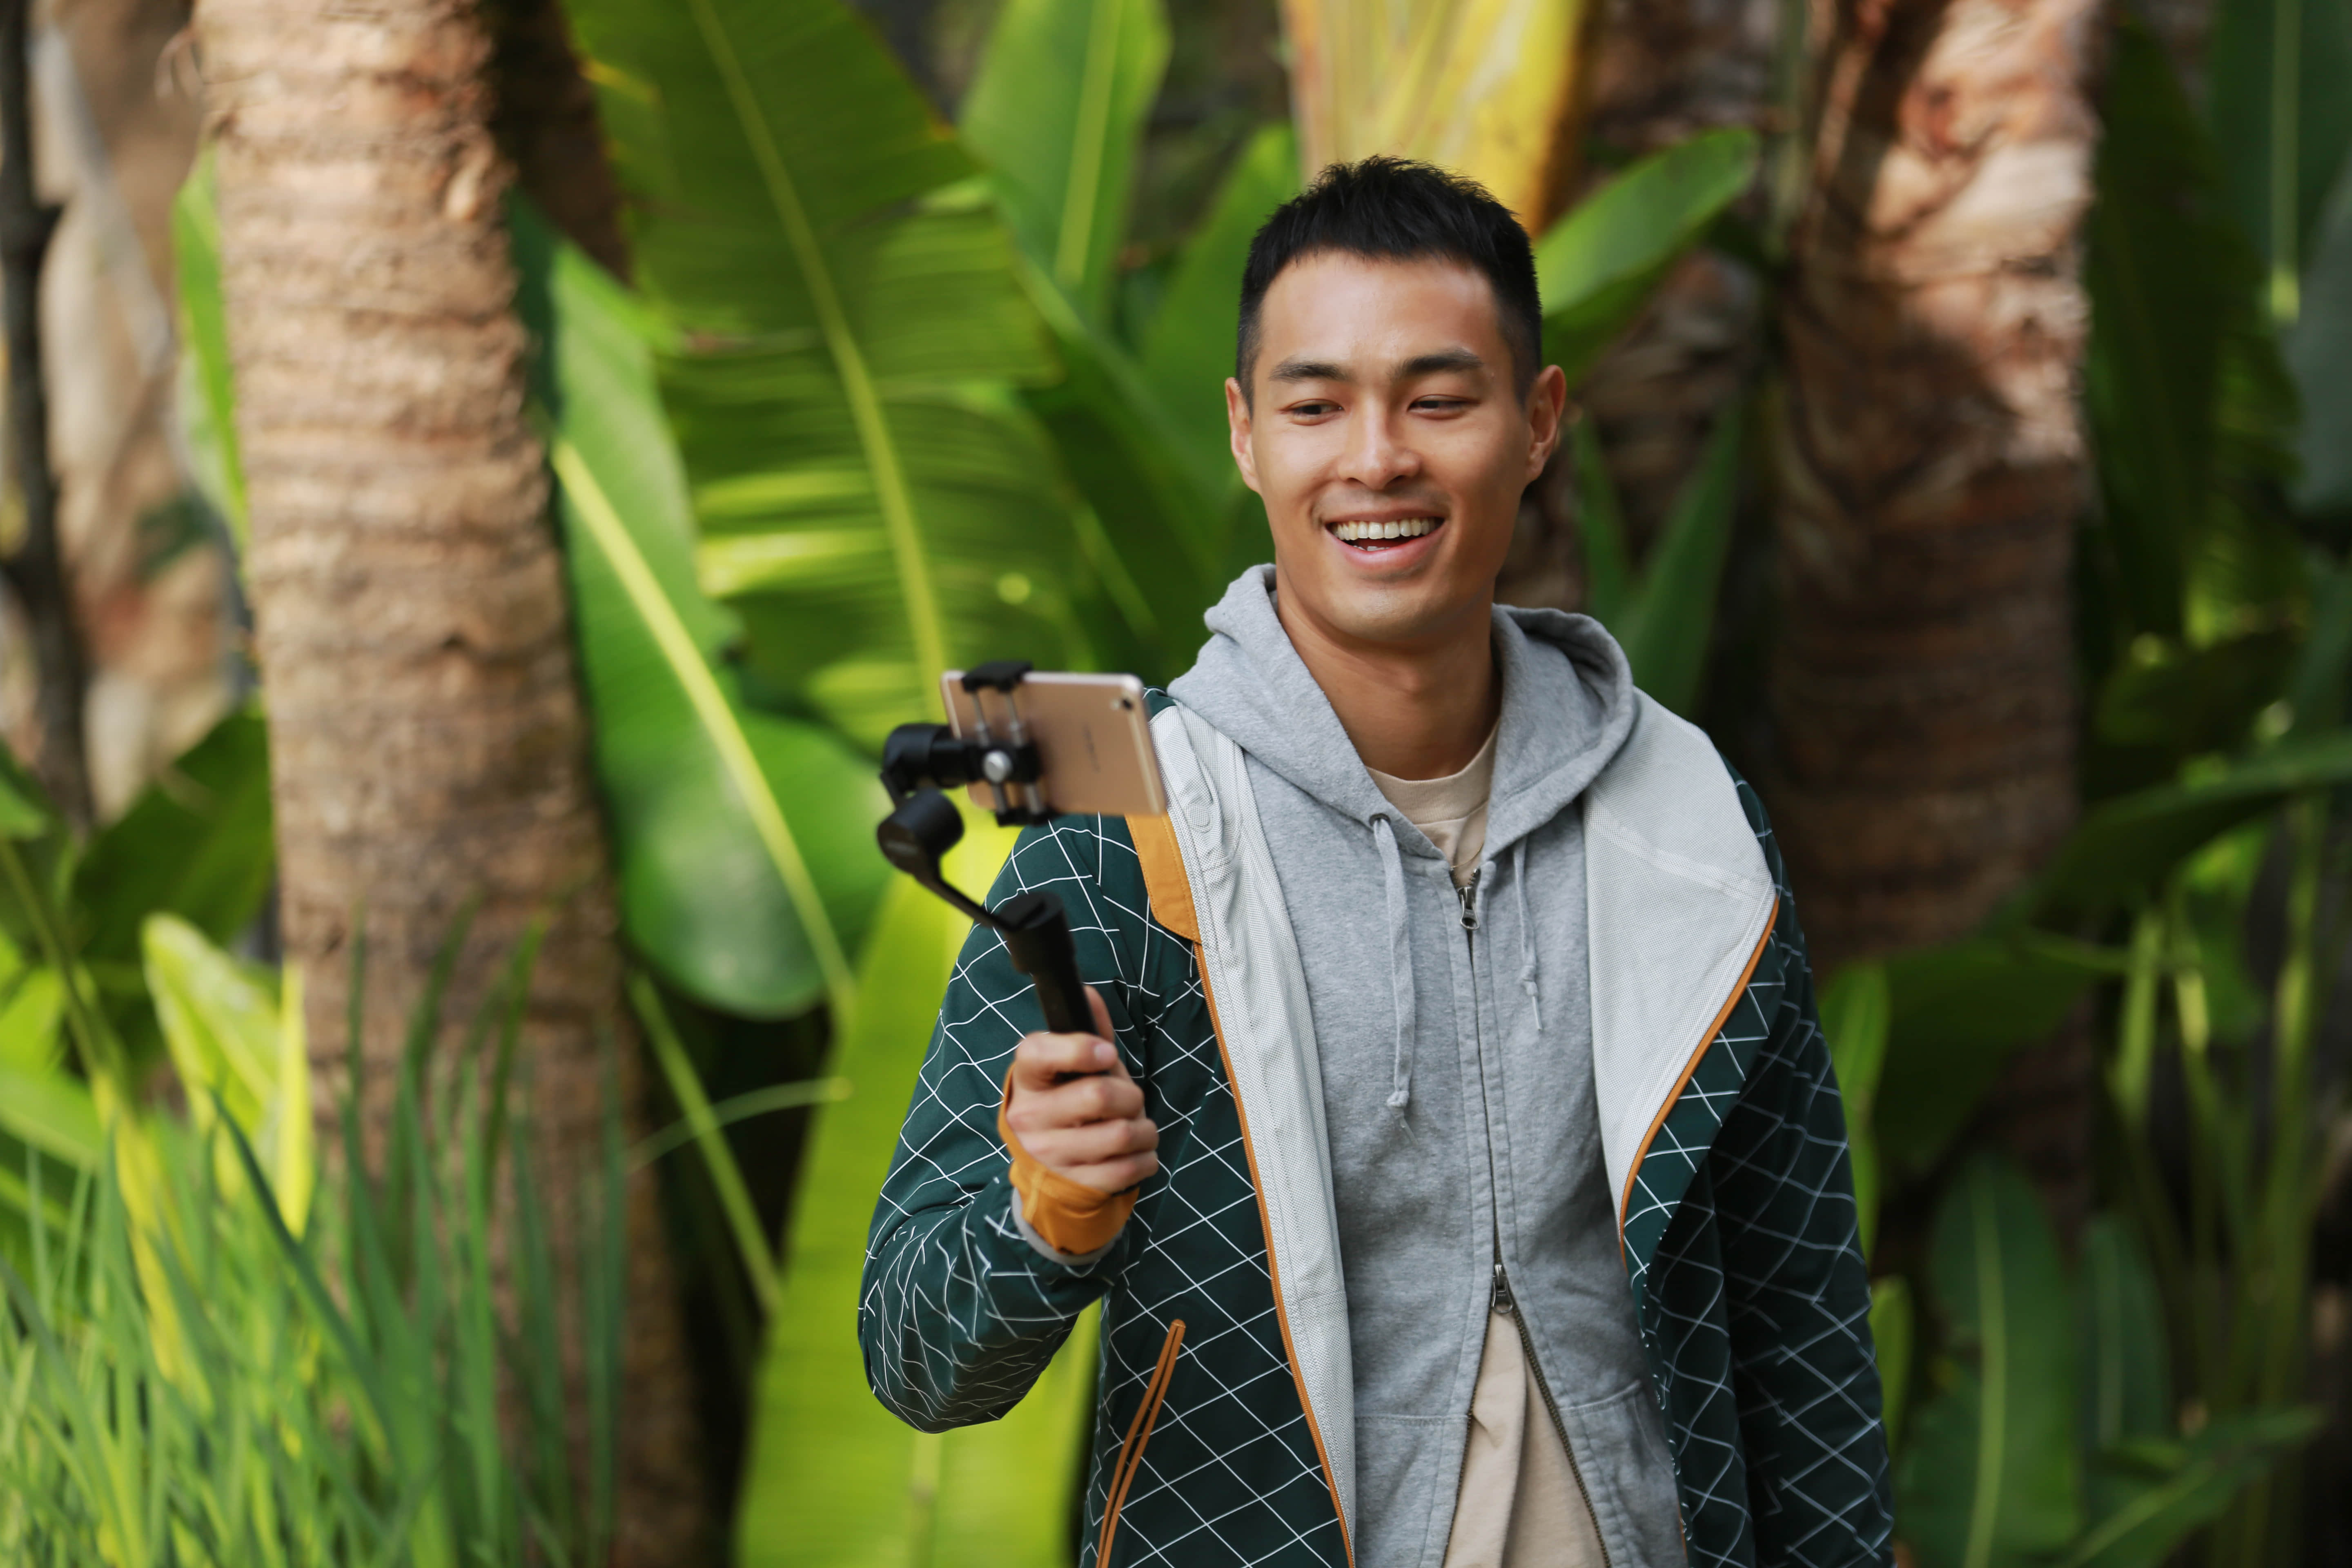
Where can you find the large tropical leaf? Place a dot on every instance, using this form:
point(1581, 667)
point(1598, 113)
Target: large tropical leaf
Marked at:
point(834, 1480)
point(1661, 612)
point(1599, 265)
point(1485, 87)
point(2148, 1496)
point(237, 1048)
point(207, 401)
point(2281, 124)
point(2319, 349)
point(2123, 847)
point(845, 330)
point(196, 843)
point(1956, 1014)
point(1991, 1477)
point(1189, 344)
point(746, 869)
point(1057, 112)
point(1854, 1018)
point(2126, 1365)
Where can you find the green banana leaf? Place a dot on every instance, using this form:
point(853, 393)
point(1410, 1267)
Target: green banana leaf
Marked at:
point(1990, 1476)
point(2149, 1495)
point(2319, 353)
point(237, 1049)
point(833, 1481)
point(1148, 529)
point(1056, 112)
point(1893, 1335)
point(208, 400)
point(1856, 1012)
point(1189, 343)
point(1956, 1014)
point(2124, 846)
point(196, 843)
point(2124, 1362)
point(743, 839)
point(1598, 266)
point(2191, 406)
point(845, 329)
point(2281, 124)
point(1661, 612)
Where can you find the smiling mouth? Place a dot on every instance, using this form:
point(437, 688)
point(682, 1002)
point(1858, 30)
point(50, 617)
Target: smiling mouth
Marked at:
point(1370, 537)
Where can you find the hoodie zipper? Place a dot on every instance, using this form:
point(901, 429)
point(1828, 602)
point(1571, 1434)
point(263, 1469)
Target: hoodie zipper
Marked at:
point(1501, 1299)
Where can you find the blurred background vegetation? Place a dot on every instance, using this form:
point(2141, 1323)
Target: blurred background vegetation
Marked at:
point(483, 475)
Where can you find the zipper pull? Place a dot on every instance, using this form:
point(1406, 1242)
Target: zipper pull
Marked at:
point(1468, 894)
point(1503, 1302)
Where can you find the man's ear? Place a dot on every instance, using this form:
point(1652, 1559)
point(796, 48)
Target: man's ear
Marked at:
point(1547, 401)
point(1237, 423)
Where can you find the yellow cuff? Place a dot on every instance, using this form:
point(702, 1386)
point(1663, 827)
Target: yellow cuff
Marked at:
point(1068, 1215)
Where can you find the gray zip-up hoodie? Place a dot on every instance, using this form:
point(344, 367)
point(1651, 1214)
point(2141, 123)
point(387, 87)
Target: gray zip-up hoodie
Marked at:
point(1455, 1043)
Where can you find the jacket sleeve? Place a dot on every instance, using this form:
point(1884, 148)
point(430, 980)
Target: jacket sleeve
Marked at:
point(1804, 1372)
point(959, 1311)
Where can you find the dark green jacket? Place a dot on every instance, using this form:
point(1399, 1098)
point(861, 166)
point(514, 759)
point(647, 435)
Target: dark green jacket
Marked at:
point(1737, 1217)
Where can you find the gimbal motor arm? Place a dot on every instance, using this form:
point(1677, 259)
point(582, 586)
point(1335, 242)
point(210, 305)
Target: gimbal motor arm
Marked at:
point(919, 761)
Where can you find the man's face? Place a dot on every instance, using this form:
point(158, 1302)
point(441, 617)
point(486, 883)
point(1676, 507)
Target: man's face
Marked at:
point(1389, 443)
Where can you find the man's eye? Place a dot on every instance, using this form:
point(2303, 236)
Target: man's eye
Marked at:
point(1314, 409)
point(1440, 405)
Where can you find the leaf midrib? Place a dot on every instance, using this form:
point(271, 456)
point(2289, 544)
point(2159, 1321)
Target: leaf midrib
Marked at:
point(849, 359)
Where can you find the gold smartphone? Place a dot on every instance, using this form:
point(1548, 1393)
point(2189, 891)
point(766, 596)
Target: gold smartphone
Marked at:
point(1093, 738)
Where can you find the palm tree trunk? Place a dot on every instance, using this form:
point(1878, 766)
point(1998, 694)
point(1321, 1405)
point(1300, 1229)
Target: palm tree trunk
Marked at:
point(1931, 467)
point(1931, 470)
point(427, 740)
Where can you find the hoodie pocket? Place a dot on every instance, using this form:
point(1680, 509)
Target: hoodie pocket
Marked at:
point(1139, 1432)
point(1620, 1448)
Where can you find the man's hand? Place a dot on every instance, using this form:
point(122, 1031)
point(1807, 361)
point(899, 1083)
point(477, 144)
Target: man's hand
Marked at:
point(1076, 1110)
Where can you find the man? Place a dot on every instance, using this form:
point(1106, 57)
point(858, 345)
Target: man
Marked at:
point(1458, 1160)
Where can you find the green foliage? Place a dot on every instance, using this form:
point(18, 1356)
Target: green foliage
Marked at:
point(744, 872)
point(844, 328)
point(2283, 121)
point(208, 393)
point(1664, 614)
point(1057, 112)
point(323, 1393)
point(1599, 265)
point(1991, 1475)
point(1854, 1019)
point(1189, 343)
point(2048, 1439)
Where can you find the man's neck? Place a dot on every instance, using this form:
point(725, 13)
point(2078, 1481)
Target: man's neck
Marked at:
point(1414, 710)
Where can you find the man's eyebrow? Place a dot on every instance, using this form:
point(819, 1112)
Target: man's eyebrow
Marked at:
point(1308, 370)
point(1439, 363)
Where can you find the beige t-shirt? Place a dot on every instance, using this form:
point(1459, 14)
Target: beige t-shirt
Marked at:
point(1520, 1506)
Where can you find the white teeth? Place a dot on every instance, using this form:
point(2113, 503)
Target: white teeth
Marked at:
point(1401, 527)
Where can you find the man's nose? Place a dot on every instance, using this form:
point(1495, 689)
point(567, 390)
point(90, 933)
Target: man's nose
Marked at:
point(1378, 455)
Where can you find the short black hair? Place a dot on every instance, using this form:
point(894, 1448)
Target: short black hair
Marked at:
point(1400, 210)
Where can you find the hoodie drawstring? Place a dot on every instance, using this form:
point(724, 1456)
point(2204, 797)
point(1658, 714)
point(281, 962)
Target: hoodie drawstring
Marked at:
point(1527, 933)
point(1400, 962)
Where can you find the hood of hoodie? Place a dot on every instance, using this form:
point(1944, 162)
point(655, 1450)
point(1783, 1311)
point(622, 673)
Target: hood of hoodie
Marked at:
point(1567, 706)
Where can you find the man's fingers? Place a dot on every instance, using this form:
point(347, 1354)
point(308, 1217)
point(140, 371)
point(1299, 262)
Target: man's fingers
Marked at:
point(1067, 1148)
point(1115, 1175)
point(1041, 1061)
point(1095, 1005)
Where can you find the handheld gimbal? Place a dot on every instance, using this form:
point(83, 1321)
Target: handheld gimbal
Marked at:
point(919, 762)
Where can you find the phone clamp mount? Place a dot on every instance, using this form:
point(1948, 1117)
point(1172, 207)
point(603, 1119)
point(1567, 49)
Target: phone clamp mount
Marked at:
point(920, 762)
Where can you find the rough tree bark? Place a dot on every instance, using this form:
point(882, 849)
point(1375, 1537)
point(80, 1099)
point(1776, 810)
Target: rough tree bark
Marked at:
point(1931, 470)
point(37, 571)
point(1931, 465)
point(427, 740)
